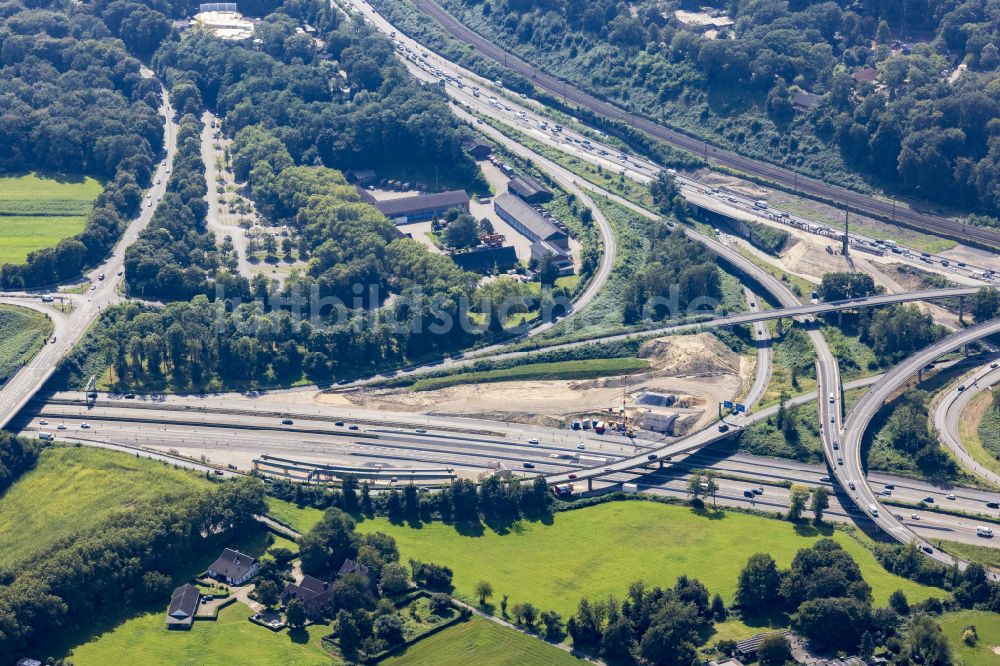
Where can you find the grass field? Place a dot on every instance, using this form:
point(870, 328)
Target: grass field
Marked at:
point(979, 430)
point(985, 555)
point(72, 489)
point(584, 369)
point(986, 651)
point(22, 334)
point(600, 550)
point(229, 640)
point(300, 519)
point(483, 642)
point(38, 212)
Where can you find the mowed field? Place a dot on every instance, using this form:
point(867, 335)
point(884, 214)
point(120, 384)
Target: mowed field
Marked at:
point(37, 212)
point(73, 488)
point(22, 334)
point(480, 641)
point(231, 639)
point(986, 652)
point(598, 551)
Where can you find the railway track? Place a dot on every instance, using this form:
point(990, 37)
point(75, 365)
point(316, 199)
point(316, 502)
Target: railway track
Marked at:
point(854, 201)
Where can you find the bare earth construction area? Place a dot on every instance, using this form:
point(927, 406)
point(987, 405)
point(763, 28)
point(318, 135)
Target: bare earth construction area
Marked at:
point(698, 370)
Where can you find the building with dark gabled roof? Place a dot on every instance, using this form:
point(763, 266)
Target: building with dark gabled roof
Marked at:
point(360, 176)
point(530, 189)
point(865, 74)
point(351, 567)
point(183, 605)
point(527, 221)
point(316, 595)
point(233, 567)
point(561, 256)
point(406, 210)
point(478, 149)
point(486, 259)
point(805, 100)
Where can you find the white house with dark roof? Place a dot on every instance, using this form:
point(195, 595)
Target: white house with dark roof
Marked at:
point(233, 567)
point(183, 606)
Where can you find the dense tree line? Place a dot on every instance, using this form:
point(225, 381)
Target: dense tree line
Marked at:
point(680, 274)
point(650, 626)
point(844, 286)
point(368, 298)
point(175, 256)
point(74, 101)
point(908, 432)
point(461, 502)
point(385, 121)
point(917, 129)
point(830, 602)
point(17, 456)
point(896, 331)
point(88, 573)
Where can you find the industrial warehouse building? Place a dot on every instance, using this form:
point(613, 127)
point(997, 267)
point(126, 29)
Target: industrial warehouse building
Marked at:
point(530, 189)
point(406, 210)
point(529, 222)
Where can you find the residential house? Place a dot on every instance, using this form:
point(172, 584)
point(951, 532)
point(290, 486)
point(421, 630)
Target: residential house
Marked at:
point(805, 100)
point(316, 595)
point(351, 567)
point(233, 567)
point(865, 74)
point(561, 256)
point(183, 606)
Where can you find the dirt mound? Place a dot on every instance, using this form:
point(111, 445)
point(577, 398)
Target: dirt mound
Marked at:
point(691, 356)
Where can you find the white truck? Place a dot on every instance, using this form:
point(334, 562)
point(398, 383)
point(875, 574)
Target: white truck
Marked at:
point(630, 488)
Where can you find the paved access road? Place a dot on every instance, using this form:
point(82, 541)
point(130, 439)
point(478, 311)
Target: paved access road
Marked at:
point(886, 209)
point(105, 279)
point(948, 412)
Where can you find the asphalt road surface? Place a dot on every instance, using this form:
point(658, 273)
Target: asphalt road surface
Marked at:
point(104, 292)
point(886, 209)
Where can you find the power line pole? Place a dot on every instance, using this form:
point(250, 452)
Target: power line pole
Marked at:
point(847, 215)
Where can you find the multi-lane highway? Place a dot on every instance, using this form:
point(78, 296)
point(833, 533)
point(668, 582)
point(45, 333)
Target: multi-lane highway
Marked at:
point(948, 412)
point(235, 430)
point(879, 207)
point(469, 91)
point(104, 291)
point(851, 471)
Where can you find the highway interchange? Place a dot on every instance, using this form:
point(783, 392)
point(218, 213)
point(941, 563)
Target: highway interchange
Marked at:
point(828, 379)
point(226, 428)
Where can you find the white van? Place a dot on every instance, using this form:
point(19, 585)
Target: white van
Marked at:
point(984, 532)
point(47, 436)
point(872, 509)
